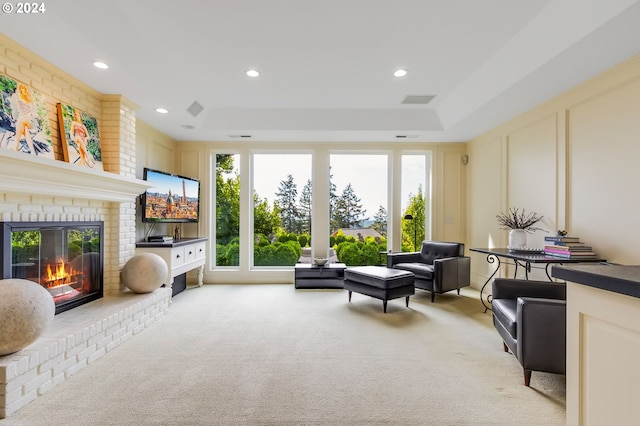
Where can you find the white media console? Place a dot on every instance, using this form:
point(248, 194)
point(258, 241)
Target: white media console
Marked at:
point(181, 255)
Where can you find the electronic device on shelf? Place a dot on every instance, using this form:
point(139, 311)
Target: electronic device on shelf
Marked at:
point(174, 199)
point(159, 239)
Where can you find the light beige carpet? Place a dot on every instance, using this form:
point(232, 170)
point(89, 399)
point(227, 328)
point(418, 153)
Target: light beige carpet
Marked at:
point(273, 355)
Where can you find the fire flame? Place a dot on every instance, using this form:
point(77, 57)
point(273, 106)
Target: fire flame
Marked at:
point(61, 275)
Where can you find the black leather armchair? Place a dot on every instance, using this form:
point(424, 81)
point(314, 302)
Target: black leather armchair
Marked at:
point(531, 319)
point(438, 267)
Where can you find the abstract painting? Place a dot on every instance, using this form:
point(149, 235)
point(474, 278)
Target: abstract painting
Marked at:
point(80, 137)
point(24, 125)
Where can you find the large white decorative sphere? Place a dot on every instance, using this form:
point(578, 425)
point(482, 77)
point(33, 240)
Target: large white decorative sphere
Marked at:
point(26, 311)
point(144, 272)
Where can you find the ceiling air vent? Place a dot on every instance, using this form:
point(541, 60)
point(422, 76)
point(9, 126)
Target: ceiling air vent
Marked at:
point(195, 108)
point(418, 99)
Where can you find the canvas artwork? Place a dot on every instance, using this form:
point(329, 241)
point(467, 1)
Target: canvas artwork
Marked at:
point(80, 137)
point(24, 126)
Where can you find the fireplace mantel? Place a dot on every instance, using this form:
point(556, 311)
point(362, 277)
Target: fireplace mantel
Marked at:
point(23, 173)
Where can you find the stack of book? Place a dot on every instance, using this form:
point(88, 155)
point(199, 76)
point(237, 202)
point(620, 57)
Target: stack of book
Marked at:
point(568, 247)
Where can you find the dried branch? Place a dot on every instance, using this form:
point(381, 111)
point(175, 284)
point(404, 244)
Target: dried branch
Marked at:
point(515, 219)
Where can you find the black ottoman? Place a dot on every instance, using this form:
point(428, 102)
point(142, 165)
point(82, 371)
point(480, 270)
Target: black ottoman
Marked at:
point(379, 282)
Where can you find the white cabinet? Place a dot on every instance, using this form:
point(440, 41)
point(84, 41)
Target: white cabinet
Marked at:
point(603, 343)
point(181, 256)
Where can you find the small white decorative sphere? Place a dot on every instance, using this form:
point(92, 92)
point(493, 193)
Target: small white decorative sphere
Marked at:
point(144, 272)
point(26, 311)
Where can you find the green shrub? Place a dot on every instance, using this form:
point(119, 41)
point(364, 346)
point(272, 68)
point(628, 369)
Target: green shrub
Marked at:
point(341, 247)
point(350, 255)
point(233, 254)
point(264, 256)
point(94, 245)
point(261, 240)
point(221, 255)
point(286, 254)
point(74, 249)
point(370, 253)
point(332, 241)
point(23, 254)
point(296, 246)
point(303, 239)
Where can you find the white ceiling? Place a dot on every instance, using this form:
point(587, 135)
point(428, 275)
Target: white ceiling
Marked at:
point(327, 65)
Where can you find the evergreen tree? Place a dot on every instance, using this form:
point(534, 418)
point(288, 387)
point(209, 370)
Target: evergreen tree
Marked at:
point(305, 208)
point(348, 211)
point(333, 200)
point(380, 221)
point(338, 219)
point(286, 200)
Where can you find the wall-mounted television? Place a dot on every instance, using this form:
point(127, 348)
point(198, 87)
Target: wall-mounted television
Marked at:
point(174, 199)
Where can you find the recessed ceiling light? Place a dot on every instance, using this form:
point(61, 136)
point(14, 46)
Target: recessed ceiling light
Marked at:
point(400, 73)
point(100, 65)
point(253, 73)
point(162, 110)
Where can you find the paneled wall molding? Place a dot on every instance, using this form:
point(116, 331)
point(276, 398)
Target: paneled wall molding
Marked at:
point(579, 152)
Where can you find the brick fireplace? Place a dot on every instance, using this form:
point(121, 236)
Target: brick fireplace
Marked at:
point(34, 189)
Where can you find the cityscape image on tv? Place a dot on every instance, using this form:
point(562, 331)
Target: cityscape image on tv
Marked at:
point(173, 198)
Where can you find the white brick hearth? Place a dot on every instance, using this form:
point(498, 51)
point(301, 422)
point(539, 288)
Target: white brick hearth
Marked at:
point(75, 340)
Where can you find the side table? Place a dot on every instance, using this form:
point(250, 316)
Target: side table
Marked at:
point(308, 275)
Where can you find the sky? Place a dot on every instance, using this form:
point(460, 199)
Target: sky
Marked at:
point(165, 182)
point(366, 173)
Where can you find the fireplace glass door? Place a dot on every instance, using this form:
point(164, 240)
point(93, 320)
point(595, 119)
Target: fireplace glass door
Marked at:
point(63, 257)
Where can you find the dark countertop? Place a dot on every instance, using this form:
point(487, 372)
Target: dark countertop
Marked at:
point(175, 243)
point(622, 279)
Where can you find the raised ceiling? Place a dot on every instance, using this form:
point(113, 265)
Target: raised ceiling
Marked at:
point(327, 66)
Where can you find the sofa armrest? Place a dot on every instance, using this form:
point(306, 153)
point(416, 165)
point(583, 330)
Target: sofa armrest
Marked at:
point(394, 258)
point(508, 288)
point(451, 273)
point(541, 331)
point(464, 271)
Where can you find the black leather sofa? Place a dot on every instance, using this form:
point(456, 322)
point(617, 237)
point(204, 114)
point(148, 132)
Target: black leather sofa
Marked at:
point(438, 267)
point(530, 316)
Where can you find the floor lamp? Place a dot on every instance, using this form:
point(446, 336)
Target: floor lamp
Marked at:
point(415, 235)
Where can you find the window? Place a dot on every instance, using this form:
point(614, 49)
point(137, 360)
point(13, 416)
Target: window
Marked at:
point(414, 200)
point(282, 208)
point(359, 203)
point(278, 207)
point(227, 250)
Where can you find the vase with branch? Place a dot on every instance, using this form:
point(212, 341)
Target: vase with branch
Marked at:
point(519, 223)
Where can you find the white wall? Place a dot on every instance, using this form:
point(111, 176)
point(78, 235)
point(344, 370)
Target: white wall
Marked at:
point(573, 159)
